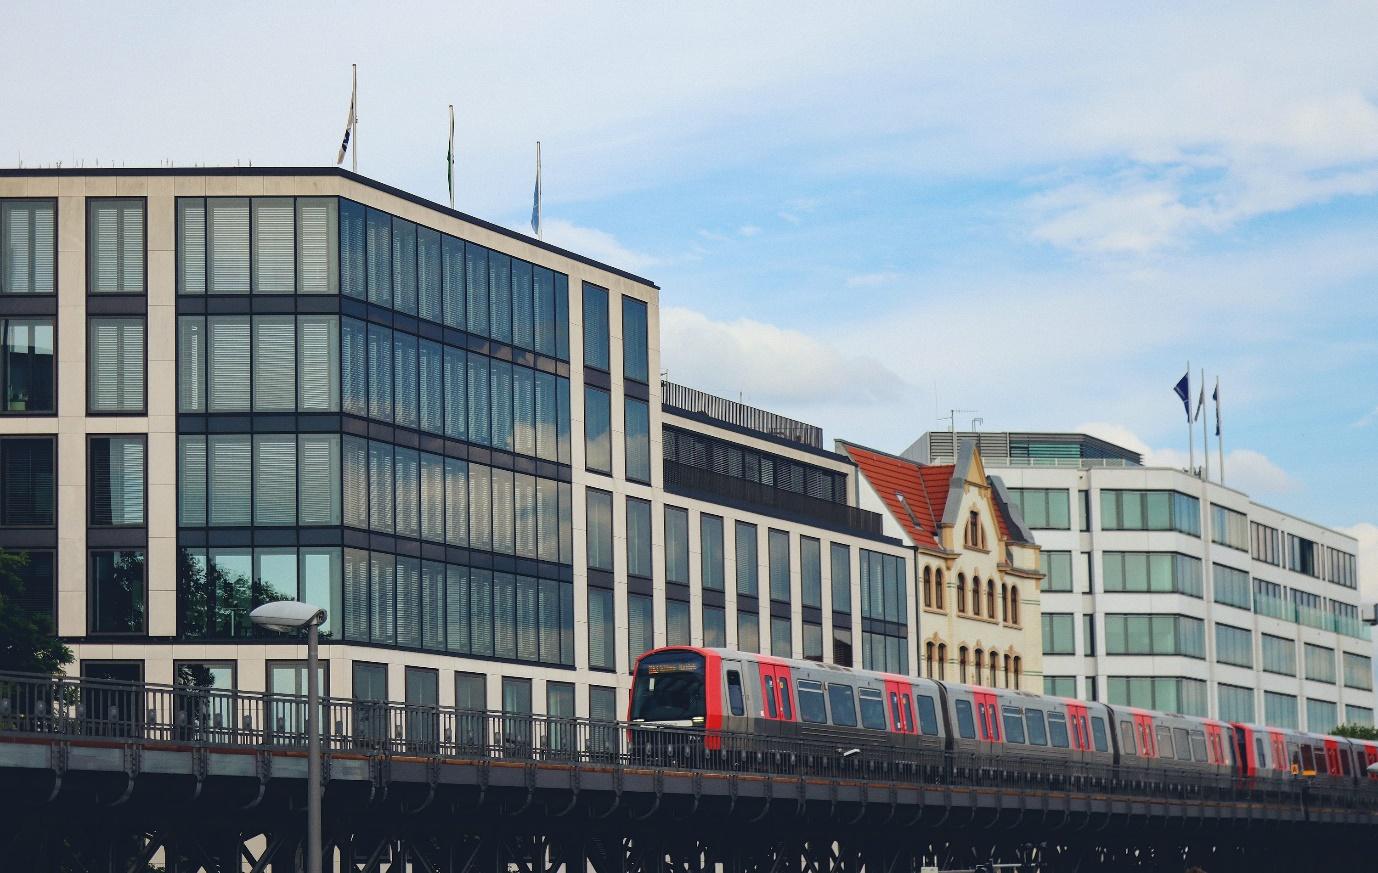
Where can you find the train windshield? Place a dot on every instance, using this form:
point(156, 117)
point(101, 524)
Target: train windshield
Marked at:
point(669, 686)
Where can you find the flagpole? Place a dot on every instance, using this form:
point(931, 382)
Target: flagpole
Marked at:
point(1191, 437)
point(1219, 431)
point(354, 134)
point(536, 197)
point(450, 157)
point(1205, 441)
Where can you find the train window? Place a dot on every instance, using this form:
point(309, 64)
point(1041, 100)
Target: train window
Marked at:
point(928, 714)
point(786, 707)
point(1127, 738)
point(1014, 724)
point(1344, 763)
point(1038, 729)
point(1308, 761)
point(872, 709)
point(1098, 733)
point(909, 713)
point(842, 703)
point(1057, 730)
point(1164, 742)
point(734, 693)
point(1261, 753)
point(966, 725)
point(770, 698)
point(812, 709)
point(1182, 743)
point(898, 713)
point(1198, 747)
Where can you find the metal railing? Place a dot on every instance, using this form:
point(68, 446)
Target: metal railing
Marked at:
point(692, 400)
point(147, 714)
point(1055, 463)
point(696, 482)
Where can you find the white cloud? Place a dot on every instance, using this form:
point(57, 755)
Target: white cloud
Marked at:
point(871, 280)
point(1249, 471)
point(748, 230)
point(1367, 535)
point(768, 364)
point(1367, 418)
point(597, 244)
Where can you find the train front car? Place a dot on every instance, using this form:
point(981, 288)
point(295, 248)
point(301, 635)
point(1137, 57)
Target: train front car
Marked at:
point(676, 696)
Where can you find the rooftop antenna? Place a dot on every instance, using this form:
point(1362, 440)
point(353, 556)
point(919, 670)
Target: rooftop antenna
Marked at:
point(951, 418)
point(975, 422)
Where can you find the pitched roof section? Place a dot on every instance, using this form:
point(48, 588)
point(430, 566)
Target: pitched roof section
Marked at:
point(919, 496)
point(915, 495)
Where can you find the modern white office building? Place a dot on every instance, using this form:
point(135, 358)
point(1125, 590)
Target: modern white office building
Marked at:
point(1168, 591)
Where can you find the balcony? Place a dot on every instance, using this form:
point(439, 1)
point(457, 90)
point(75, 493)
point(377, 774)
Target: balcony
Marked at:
point(702, 484)
point(695, 402)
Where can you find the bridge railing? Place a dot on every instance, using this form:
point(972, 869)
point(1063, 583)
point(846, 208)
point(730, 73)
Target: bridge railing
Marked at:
point(149, 714)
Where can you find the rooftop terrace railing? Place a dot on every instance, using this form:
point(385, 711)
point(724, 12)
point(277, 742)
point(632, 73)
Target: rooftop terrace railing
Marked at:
point(731, 412)
point(1048, 463)
point(696, 482)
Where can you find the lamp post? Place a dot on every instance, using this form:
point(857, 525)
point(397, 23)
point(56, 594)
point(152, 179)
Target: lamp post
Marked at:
point(290, 615)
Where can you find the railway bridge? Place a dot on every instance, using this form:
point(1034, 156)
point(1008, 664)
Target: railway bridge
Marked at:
point(108, 776)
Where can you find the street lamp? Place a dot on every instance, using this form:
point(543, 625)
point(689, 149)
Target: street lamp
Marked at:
point(290, 615)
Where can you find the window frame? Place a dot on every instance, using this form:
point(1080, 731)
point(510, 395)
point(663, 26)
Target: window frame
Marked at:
point(90, 479)
point(90, 273)
point(142, 411)
point(7, 294)
point(5, 319)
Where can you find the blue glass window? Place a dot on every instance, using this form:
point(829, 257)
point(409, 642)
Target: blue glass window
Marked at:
point(547, 416)
point(380, 486)
point(480, 508)
point(478, 399)
point(563, 438)
point(501, 396)
point(523, 307)
point(523, 411)
point(481, 611)
point(456, 422)
point(476, 285)
point(456, 502)
point(432, 387)
point(504, 516)
point(405, 372)
point(404, 266)
point(543, 282)
point(500, 297)
point(379, 373)
point(428, 281)
point(637, 423)
point(562, 316)
point(635, 352)
point(353, 367)
point(597, 430)
point(379, 258)
point(452, 257)
point(596, 339)
point(352, 250)
point(406, 465)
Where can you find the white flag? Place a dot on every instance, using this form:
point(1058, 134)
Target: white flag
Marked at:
point(536, 196)
point(349, 122)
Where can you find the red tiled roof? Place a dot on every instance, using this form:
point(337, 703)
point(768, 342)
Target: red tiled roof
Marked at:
point(923, 489)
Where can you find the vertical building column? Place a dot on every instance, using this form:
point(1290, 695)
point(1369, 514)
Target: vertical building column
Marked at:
point(161, 335)
point(71, 400)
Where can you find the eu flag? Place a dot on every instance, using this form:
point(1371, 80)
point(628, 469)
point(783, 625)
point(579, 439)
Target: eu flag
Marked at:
point(1183, 390)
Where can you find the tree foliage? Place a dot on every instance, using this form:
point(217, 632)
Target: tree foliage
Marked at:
point(28, 640)
point(1357, 731)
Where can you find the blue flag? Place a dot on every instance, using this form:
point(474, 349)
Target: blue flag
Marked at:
point(1183, 389)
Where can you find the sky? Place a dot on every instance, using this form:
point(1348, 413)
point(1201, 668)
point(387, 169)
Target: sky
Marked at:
point(861, 216)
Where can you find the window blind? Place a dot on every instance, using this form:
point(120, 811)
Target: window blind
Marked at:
point(229, 356)
point(523, 411)
point(456, 502)
point(405, 379)
point(548, 520)
point(528, 631)
point(428, 266)
point(504, 533)
point(523, 307)
point(456, 419)
point(379, 373)
point(231, 486)
point(547, 416)
point(116, 246)
point(477, 399)
point(353, 368)
point(275, 363)
point(191, 245)
point(476, 289)
point(115, 365)
point(431, 361)
point(27, 482)
point(355, 595)
point(354, 473)
point(480, 508)
point(380, 487)
point(191, 363)
point(379, 258)
point(275, 480)
point(408, 480)
point(432, 498)
point(274, 246)
point(404, 266)
point(408, 602)
point(481, 611)
point(452, 280)
point(191, 481)
point(117, 481)
point(382, 598)
point(318, 371)
point(543, 297)
point(457, 608)
point(602, 655)
point(433, 617)
point(227, 245)
point(524, 502)
point(548, 606)
point(500, 296)
point(28, 247)
point(501, 394)
point(317, 245)
point(318, 474)
point(504, 616)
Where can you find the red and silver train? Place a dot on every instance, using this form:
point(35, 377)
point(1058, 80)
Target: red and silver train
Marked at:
point(721, 690)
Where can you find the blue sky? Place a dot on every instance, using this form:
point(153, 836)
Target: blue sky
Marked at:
point(860, 216)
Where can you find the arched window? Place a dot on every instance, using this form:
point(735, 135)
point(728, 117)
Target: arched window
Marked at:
point(928, 656)
point(980, 663)
point(1007, 671)
point(1014, 604)
point(990, 598)
point(974, 530)
point(928, 587)
point(938, 589)
point(1004, 602)
point(961, 594)
point(975, 595)
point(962, 663)
point(993, 659)
point(942, 661)
point(1018, 669)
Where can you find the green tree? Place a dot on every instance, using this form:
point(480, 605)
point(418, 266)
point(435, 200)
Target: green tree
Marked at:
point(28, 640)
point(1357, 731)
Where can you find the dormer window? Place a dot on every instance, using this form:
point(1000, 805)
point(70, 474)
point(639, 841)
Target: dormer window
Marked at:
point(976, 533)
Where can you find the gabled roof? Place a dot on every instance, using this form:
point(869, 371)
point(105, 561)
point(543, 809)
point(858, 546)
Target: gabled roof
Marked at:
point(915, 494)
point(920, 497)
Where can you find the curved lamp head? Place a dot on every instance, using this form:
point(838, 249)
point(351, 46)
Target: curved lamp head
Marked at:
point(287, 615)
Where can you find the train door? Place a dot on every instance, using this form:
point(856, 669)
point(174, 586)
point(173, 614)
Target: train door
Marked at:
point(899, 698)
point(737, 696)
point(1244, 750)
point(1215, 746)
point(1370, 758)
point(1143, 725)
point(987, 717)
point(1080, 729)
point(1277, 750)
point(1332, 757)
point(777, 696)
